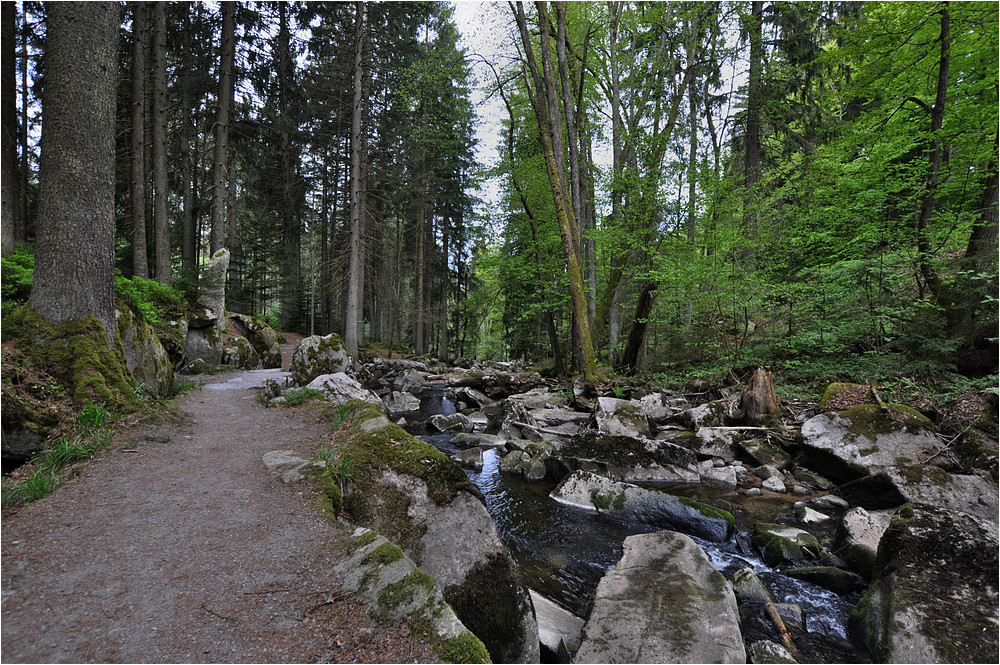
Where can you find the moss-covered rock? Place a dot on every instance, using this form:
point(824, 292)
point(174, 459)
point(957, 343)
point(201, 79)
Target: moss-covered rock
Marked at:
point(241, 354)
point(262, 337)
point(835, 579)
point(780, 544)
point(934, 595)
point(318, 355)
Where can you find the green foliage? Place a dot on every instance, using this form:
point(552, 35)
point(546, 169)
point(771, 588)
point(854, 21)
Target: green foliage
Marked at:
point(157, 302)
point(91, 417)
point(297, 396)
point(184, 385)
point(339, 414)
point(15, 283)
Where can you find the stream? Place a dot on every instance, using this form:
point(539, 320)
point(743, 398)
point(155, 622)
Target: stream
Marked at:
point(564, 553)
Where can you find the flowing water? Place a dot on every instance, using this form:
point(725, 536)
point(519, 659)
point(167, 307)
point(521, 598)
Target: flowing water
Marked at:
point(564, 553)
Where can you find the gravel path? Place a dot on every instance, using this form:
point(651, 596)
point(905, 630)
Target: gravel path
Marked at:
point(178, 546)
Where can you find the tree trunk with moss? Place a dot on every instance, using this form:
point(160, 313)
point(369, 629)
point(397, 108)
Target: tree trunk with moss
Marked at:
point(759, 401)
point(74, 255)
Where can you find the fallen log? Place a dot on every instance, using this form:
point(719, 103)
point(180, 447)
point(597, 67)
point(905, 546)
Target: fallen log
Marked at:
point(783, 634)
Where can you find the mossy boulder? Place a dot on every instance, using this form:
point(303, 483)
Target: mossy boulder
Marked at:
point(413, 494)
point(262, 337)
point(628, 459)
point(662, 603)
point(319, 355)
point(839, 396)
point(238, 352)
point(621, 417)
point(145, 356)
point(779, 544)
point(203, 344)
point(835, 579)
point(528, 463)
point(865, 439)
point(934, 596)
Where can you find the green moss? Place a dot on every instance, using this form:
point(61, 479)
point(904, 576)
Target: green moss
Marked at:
point(865, 452)
point(868, 420)
point(384, 554)
point(76, 353)
point(711, 511)
point(366, 538)
point(607, 500)
point(466, 648)
point(404, 591)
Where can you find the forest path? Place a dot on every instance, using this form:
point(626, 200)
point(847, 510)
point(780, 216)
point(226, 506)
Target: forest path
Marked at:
point(178, 546)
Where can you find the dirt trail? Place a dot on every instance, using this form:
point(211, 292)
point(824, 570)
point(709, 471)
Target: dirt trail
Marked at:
point(179, 546)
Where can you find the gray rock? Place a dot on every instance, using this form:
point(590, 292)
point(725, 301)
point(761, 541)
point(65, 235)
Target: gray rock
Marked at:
point(529, 463)
point(262, 337)
point(619, 417)
point(388, 584)
point(145, 356)
point(858, 537)
point(538, 398)
point(663, 603)
point(400, 402)
point(315, 356)
point(779, 544)
point(770, 653)
point(766, 471)
point(774, 484)
point(470, 395)
point(829, 501)
point(239, 353)
point(749, 588)
point(282, 460)
point(828, 577)
point(559, 631)
point(628, 459)
point(471, 458)
point(656, 407)
point(753, 491)
point(718, 442)
point(502, 424)
point(712, 414)
point(481, 440)
point(411, 381)
point(341, 388)
point(549, 418)
point(452, 422)
point(204, 344)
point(599, 495)
point(807, 515)
point(212, 286)
point(725, 475)
point(864, 440)
point(764, 452)
point(934, 594)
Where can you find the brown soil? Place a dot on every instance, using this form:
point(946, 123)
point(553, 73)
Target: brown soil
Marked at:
point(178, 546)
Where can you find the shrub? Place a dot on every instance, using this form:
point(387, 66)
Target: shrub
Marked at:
point(155, 301)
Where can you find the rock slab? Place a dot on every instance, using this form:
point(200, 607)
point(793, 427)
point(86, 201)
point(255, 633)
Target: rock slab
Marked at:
point(663, 603)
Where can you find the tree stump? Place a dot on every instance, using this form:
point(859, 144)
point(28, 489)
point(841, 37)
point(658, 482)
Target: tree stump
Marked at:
point(759, 401)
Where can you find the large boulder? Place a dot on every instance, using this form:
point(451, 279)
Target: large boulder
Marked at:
point(504, 423)
point(203, 344)
point(895, 486)
point(663, 603)
point(558, 630)
point(781, 544)
point(629, 459)
point(262, 337)
point(239, 353)
point(866, 439)
point(934, 595)
point(400, 402)
point(528, 463)
point(145, 356)
point(342, 388)
point(858, 536)
point(619, 417)
point(599, 495)
point(318, 355)
point(414, 495)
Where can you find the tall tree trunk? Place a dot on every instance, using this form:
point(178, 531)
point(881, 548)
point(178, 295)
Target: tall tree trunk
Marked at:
point(21, 228)
point(161, 219)
point(140, 41)
point(290, 224)
point(547, 116)
point(74, 254)
point(220, 178)
point(443, 354)
point(188, 231)
point(925, 250)
point(355, 274)
point(8, 126)
point(640, 323)
point(755, 103)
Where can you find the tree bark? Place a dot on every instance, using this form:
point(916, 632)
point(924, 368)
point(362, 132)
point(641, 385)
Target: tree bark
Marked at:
point(220, 177)
point(189, 262)
point(759, 401)
point(290, 224)
point(8, 119)
point(355, 276)
point(161, 219)
point(140, 42)
point(640, 323)
point(74, 252)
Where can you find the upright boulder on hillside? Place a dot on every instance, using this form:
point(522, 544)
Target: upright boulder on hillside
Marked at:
point(212, 286)
point(318, 355)
point(145, 356)
point(663, 603)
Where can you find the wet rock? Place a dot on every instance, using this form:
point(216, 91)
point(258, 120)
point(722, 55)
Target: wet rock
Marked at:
point(767, 652)
point(471, 458)
point(763, 451)
point(559, 631)
point(828, 577)
point(656, 406)
point(807, 515)
point(315, 356)
point(341, 388)
point(599, 495)
point(934, 593)
point(663, 603)
point(628, 459)
point(858, 537)
point(780, 544)
point(529, 463)
point(863, 440)
point(262, 337)
point(400, 402)
point(774, 484)
point(712, 414)
point(482, 440)
point(503, 423)
point(453, 422)
point(749, 588)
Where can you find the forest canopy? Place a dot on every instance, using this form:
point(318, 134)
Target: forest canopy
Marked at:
point(681, 187)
